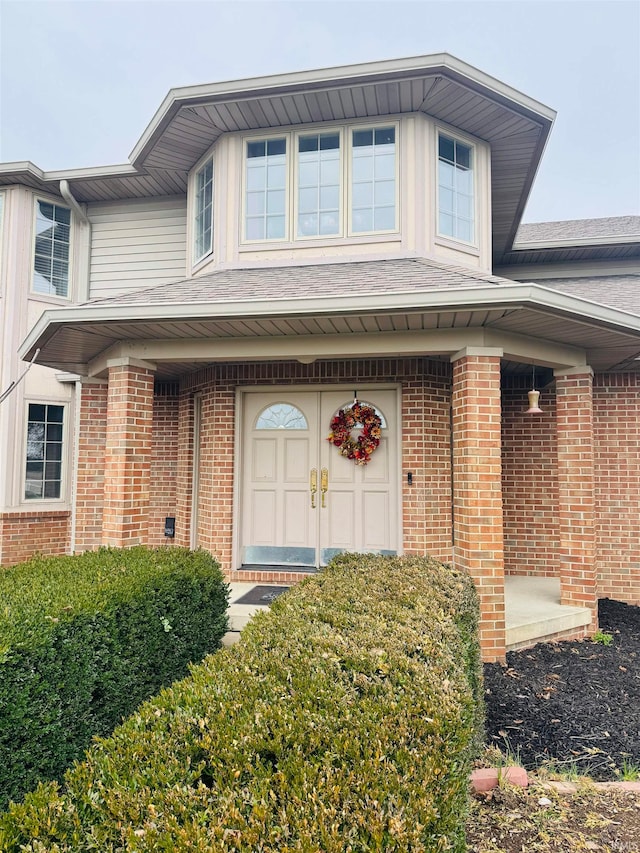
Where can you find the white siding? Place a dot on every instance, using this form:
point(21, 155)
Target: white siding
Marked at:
point(137, 244)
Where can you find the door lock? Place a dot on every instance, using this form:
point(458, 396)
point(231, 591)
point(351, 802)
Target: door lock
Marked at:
point(313, 486)
point(324, 484)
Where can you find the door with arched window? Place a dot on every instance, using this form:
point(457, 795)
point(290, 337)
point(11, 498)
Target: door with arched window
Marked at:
point(302, 502)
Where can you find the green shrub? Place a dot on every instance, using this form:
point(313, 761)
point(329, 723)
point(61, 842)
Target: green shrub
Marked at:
point(345, 720)
point(85, 639)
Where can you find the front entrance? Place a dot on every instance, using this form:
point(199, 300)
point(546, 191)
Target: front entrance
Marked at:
point(302, 502)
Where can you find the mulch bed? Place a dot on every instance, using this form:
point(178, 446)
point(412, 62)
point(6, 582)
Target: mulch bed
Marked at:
point(574, 705)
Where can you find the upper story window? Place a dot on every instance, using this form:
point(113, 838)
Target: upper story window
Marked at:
point(455, 189)
point(43, 464)
point(302, 185)
point(373, 170)
point(203, 214)
point(51, 252)
point(266, 190)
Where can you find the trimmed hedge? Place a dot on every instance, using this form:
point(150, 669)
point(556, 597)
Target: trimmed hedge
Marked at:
point(345, 720)
point(85, 639)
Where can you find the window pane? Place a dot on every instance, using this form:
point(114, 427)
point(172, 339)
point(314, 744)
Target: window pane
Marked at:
point(384, 219)
point(275, 201)
point(373, 180)
point(275, 227)
point(385, 193)
point(455, 189)
point(281, 416)
point(308, 143)
point(256, 149)
point(445, 148)
point(43, 463)
point(308, 200)
point(362, 220)
point(318, 184)
point(256, 177)
point(385, 136)
point(203, 219)
point(51, 254)
point(255, 203)
point(362, 137)
point(276, 146)
point(265, 194)
point(308, 224)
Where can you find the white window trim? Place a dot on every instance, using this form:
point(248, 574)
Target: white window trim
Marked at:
point(346, 235)
point(471, 246)
point(33, 293)
point(313, 238)
point(193, 262)
point(62, 501)
point(372, 126)
point(197, 259)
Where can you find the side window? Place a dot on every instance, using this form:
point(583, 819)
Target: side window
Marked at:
point(266, 189)
point(51, 251)
point(43, 464)
point(203, 212)
point(455, 189)
point(373, 180)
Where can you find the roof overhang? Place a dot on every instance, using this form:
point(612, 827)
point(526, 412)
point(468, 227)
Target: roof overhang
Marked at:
point(529, 323)
point(190, 119)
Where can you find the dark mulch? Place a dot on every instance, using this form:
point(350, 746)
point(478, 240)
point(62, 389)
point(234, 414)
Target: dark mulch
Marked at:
point(573, 704)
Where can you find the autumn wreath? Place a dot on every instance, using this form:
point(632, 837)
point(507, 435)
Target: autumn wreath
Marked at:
point(343, 423)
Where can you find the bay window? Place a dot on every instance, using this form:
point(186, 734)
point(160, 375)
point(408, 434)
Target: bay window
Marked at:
point(455, 189)
point(336, 183)
point(203, 218)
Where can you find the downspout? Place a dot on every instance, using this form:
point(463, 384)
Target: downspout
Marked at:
point(65, 192)
point(85, 225)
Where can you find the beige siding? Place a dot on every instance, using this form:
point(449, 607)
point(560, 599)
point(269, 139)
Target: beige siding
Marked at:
point(136, 244)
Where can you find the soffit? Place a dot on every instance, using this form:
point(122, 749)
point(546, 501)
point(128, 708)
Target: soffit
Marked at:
point(191, 119)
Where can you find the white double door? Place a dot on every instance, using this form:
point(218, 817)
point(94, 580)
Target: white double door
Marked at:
point(302, 502)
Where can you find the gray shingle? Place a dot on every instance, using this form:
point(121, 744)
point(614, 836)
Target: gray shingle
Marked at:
point(579, 229)
point(289, 282)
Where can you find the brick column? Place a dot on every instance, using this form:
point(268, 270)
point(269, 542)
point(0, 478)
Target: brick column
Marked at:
point(128, 453)
point(477, 488)
point(576, 506)
point(92, 432)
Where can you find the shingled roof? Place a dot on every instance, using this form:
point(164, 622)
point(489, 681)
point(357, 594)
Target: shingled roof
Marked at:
point(615, 291)
point(614, 227)
point(363, 278)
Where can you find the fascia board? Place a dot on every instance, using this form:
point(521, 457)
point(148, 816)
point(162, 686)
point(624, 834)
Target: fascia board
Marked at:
point(508, 297)
point(116, 171)
point(338, 77)
point(575, 242)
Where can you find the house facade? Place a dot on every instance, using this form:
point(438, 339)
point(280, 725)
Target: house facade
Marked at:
point(280, 248)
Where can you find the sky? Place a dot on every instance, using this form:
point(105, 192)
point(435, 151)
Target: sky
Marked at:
point(80, 80)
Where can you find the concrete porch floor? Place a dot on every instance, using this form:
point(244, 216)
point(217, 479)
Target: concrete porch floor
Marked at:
point(533, 611)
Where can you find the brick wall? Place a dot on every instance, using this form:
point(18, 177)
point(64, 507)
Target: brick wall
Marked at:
point(529, 483)
point(576, 510)
point(425, 449)
point(164, 462)
point(90, 465)
point(477, 470)
point(127, 466)
point(23, 534)
point(616, 409)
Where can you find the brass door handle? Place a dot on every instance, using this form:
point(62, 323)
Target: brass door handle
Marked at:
point(324, 484)
point(313, 486)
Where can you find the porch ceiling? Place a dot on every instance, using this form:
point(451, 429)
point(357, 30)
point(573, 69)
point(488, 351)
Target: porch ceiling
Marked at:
point(526, 323)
